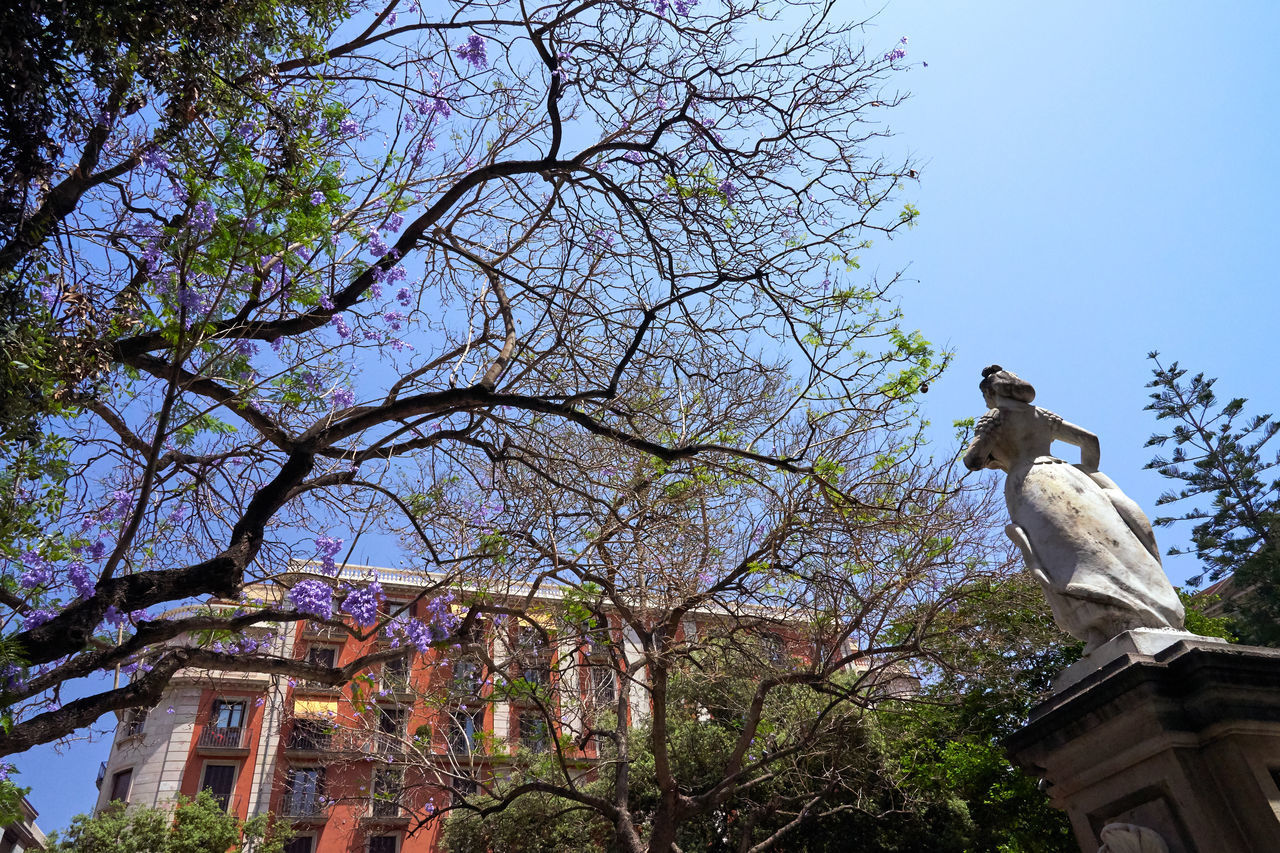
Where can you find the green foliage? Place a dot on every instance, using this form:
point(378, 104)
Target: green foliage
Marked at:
point(1219, 455)
point(197, 825)
point(917, 777)
point(1199, 622)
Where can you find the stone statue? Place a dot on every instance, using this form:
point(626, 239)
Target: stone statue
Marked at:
point(1131, 838)
point(1090, 546)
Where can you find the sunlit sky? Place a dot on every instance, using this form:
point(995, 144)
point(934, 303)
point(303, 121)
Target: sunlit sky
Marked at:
point(1097, 181)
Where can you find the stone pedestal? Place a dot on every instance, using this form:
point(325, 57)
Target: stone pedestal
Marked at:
point(1185, 741)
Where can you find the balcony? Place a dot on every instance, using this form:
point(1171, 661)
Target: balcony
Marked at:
point(309, 739)
point(321, 631)
point(304, 809)
point(219, 740)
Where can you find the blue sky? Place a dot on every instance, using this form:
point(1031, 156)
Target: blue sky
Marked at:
point(1097, 181)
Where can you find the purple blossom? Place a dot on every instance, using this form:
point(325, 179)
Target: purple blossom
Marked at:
point(313, 597)
point(394, 222)
point(728, 189)
point(404, 296)
point(202, 217)
point(97, 550)
point(37, 572)
point(895, 54)
point(341, 327)
point(348, 127)
point(193, 300)
point(376, 247)
point(328, 548)
point(362, 604)
point(178, 514)
point(343, 398)
point(326, 302)
point(246, 130)
point(633, 157)
point(391, 19)
point(81, 579)
point(435, 105)
point(37, 618)
point(317, 198)
point(122, 502)
point(153, 158)
point(473, 52)
point(394, 319)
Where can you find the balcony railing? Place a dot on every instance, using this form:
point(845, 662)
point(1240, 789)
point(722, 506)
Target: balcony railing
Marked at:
point(309, 740)
point(304, 806)
point(218, 737)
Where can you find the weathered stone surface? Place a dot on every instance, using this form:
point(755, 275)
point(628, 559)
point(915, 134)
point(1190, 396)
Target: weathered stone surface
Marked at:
point(1090, 546)
point(1139, 641)
point(1185, 742)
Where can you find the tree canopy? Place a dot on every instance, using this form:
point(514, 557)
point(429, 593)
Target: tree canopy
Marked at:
point(198, 825)
point(1221, 455)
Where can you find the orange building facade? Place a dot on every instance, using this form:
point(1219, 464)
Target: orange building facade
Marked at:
point(362, 768)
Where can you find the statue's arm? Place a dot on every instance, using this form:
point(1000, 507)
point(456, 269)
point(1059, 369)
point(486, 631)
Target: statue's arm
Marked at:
point(1090, 450)
point(978, 454)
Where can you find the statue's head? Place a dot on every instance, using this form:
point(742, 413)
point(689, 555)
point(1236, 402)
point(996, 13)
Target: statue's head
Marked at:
point(998, 382)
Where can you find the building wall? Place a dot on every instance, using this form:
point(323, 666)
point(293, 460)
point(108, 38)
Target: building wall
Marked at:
point(169, 758)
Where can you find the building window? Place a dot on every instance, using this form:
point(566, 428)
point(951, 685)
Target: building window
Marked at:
point(533, 731)
point(322, 655)
point(303, 788)
point(465, 727)
point(135, 720)
point(533, 656)
point(219, 780)
point(384, 843)
point(391, 727)
point(226, 725)
point(300, 844)
point(310, 735)
point(388, 784)
point(395, 672)
point(120, 783)
point(597, 642)
point(466, 678)
point(775, 650)
point(602, 687)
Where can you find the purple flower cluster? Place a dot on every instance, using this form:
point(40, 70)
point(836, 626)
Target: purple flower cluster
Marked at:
point(341, 327)
point(348, 127)
point(433, 106)
point(202, 217)
point(473, 52)
point(317, 198)
point(376, 247)
point(394, 319)
point(728, 189)
point(362, 604)
point(328, 548)
point(404, 296)
point(898, 52)
point(121, 503)
point(78, 572)
point(36, 618)
point(36, 570)
point(153, 158)
point(312, 597)
point(342, 397)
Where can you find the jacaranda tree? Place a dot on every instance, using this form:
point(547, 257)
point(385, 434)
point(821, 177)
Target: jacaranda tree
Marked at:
point(283, 277)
